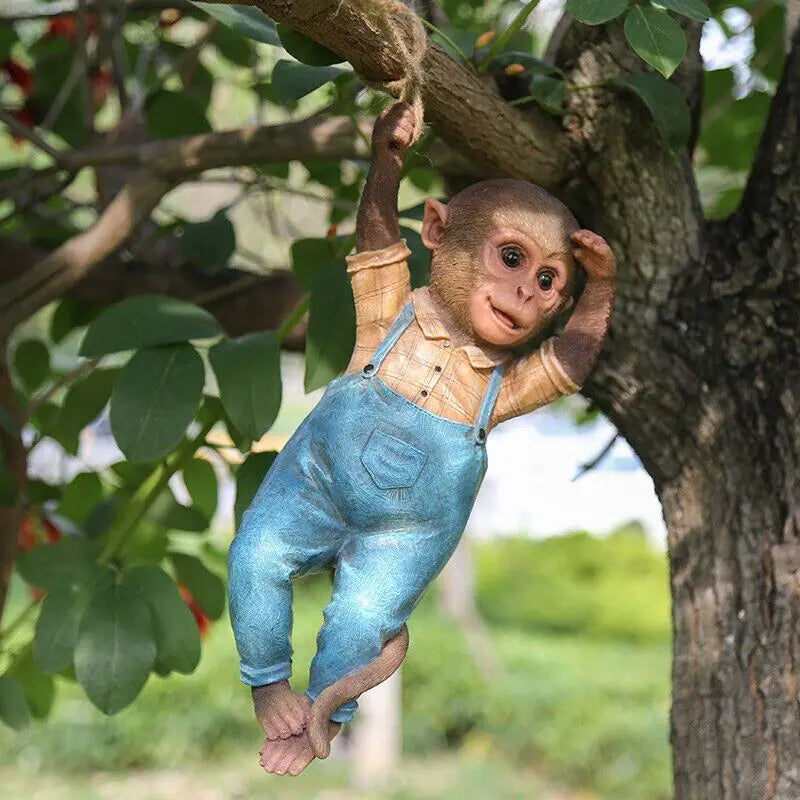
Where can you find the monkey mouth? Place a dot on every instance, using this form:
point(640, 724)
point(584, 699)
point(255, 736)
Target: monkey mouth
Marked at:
point(505, 320)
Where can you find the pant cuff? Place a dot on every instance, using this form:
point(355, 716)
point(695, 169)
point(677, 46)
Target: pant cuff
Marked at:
point(265, 675)
point(345, 713)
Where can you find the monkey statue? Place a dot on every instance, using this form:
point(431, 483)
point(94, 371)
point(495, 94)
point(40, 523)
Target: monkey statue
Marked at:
point(380, 478)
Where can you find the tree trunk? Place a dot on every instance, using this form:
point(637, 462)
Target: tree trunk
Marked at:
point(733, 520)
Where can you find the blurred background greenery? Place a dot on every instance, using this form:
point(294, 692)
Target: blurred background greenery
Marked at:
point(581, 628)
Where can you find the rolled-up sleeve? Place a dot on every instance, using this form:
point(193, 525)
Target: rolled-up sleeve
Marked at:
point(380, 281)
point(533, 382)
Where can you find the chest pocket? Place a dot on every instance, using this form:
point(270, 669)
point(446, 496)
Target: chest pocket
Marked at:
point(391, 462)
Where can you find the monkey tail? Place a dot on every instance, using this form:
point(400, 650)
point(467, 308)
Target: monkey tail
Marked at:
point(351, 686)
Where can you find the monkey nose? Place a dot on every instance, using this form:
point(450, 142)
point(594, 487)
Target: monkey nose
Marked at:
point(523, 293)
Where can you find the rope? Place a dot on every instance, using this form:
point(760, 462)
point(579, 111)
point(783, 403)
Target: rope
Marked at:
point(411, 42)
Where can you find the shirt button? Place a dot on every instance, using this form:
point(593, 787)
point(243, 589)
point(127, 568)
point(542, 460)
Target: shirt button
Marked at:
point(424, 392)
point(437, 368)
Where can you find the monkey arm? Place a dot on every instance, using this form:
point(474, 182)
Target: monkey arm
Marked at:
point(394, 132)
point(580, 344)
point(376, 224)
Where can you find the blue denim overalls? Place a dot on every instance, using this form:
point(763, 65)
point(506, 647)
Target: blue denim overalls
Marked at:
point(370, 483)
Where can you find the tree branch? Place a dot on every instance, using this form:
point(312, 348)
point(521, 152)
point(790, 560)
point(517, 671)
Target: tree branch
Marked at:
point(313, 138)
point(161, 165)
point(474, 120)
point(243, 302)
point(772, 196)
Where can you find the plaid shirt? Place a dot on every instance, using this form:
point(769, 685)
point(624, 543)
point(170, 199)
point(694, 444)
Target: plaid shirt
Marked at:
point(425, 365)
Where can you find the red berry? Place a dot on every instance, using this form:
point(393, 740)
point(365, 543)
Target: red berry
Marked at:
point(64, 26)
point(52, 533)
point(100, 81)
point(27, 538)
point(203, 622)
point(19, 75)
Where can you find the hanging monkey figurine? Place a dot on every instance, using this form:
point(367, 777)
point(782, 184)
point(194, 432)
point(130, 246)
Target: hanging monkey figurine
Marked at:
point(380, 478)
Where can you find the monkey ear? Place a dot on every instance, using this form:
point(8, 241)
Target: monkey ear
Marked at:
point(434, 220)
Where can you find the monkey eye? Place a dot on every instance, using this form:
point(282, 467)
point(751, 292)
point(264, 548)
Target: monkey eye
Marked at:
point(545, 279)
point(511, 256)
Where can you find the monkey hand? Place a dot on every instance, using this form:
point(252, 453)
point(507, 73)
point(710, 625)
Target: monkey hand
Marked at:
point(595, 255)
point(394, 130)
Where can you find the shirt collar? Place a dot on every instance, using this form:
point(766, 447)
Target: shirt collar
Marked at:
point(433, 327)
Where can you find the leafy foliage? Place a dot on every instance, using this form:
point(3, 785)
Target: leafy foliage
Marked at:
point(666, 105)
point(656, 37)
point(154, 400)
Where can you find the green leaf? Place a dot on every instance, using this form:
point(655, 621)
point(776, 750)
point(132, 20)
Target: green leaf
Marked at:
point(249, 375)
point(292, 80)
point(176, 634)
point(665, 104)
point(83, 404)
point(209, 245)
point(14, 710)
point(68, 562)
point(172, 114)
point(155, 399)
point(116, 647)
point(532, 64)
point(656, 38)
point(419, 262)
point(331, 327)
point(249, 477)
point(249, 21)
point(59, 620)
point(167, 511)
point(201, 483)
point(595, 12)
point(233, 46)
point(731, 133)
point(694, 9)
point(145, 321)
point(305, 49)
point(39, 687)
point(70, 314)
point(32, 363)
point(204, 585)
point(309, 258)
point(80, 496)
point(549, 92)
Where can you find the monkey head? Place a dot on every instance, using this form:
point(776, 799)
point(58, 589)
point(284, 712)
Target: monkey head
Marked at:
point(501, 259)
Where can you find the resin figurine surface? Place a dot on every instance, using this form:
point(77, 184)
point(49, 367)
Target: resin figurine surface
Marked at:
point(380, 478)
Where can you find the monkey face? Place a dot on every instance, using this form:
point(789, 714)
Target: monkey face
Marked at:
point(521, 286)
point(501, 259)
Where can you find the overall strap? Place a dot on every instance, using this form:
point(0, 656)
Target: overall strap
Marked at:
point(401, 322)
point(487, 406)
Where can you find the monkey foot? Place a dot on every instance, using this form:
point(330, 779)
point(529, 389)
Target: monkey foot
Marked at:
point(281, 712)
point(290, 756)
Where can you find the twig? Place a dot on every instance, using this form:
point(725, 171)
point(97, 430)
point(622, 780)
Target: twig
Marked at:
point(65, 380)
point(590, 465)
point(83, 58)
point(21, 129)
point(70, 262)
